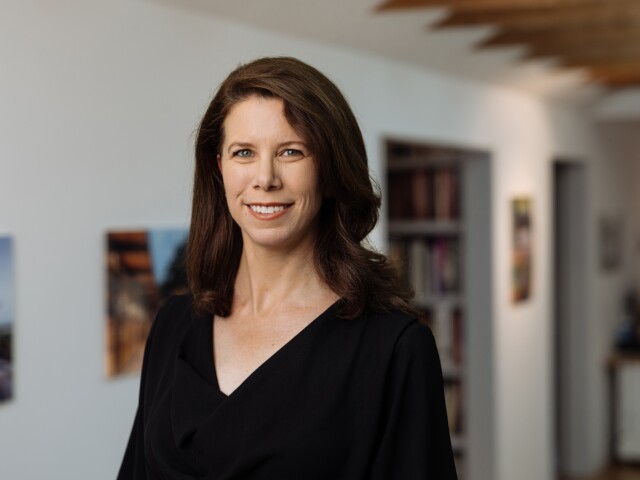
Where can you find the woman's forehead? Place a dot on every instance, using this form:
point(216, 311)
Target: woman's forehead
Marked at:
point(256, 119)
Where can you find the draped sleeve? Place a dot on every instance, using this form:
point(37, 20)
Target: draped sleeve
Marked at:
point(133, 464)
point(414, 439)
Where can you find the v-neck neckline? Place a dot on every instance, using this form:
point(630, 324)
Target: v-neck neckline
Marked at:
point(269, 359)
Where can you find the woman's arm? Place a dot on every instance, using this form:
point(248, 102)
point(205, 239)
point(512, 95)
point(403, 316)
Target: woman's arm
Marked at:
point(414, 442)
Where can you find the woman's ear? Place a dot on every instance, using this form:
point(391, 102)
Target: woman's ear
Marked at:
point(218, 159)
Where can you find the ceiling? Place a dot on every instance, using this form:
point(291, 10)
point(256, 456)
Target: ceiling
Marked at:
point(515, 55)
point(600, 36)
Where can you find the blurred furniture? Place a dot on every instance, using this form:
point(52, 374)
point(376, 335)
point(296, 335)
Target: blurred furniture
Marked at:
point(624, 408)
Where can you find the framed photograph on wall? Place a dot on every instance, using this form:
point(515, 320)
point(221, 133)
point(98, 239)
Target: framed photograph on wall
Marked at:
point(522, 254)
point(144, 268)
point(7, 317)
point(610, 237)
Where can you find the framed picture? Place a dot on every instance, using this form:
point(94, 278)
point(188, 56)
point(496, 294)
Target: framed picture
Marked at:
point(144, 268)
point(522, 242)
point(610, 236)
point(7, 316)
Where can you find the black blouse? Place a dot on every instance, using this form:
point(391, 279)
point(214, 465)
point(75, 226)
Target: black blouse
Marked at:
point(344, 399)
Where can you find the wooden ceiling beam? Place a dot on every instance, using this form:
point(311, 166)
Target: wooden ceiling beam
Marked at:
point(601, 46)
point(618, 83)
point(569, 16)
point(559, 39)
point(401, 5)
point(481, 5)
point(616, 75)
point(569, 61)
point(608, 67)
point(579, 54)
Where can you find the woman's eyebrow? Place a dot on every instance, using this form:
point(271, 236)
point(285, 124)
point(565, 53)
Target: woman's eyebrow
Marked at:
point(239, 144)
point(280, 145)
point(292, 142)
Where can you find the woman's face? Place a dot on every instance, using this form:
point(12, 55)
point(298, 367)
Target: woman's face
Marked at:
point(269, 175)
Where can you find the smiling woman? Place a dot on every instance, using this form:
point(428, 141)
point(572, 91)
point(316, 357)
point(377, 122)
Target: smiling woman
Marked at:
point(319, 118)
point(270, 179)
point(297, 355)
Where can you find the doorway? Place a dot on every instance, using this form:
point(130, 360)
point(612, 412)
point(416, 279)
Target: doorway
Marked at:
point(570, 273)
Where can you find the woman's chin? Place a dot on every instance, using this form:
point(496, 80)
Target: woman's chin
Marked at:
point(275, 241)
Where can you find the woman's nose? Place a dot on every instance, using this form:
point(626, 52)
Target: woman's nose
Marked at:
point(268, 173)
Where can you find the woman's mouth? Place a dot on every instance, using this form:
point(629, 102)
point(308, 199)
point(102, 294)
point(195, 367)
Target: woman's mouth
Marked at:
point(268, 212)
point(265, 209)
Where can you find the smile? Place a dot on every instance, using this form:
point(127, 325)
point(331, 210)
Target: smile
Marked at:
point(268, 212)
point(268, 209)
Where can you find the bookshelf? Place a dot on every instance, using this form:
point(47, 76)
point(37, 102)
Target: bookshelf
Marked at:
point(431, 221)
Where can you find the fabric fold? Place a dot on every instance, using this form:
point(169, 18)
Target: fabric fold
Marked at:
point(195, 396)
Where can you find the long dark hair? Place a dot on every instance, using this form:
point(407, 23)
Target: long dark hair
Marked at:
point(319, 113)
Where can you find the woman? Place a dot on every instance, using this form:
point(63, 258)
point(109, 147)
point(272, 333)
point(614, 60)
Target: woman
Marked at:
point(294, 357)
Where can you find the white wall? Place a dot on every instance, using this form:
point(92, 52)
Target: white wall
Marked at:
point(99, 102)
point(622, 106)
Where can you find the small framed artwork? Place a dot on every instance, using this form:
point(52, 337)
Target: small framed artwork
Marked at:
point(7, 316)
point(144, 268)
point(610, 237)
point(522, 254)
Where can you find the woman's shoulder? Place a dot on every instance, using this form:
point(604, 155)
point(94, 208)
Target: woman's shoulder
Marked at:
point(391, 322)
point(388, 327)
point(170, 326)
point(173, 318)
point(402, 330)
point(176, 304)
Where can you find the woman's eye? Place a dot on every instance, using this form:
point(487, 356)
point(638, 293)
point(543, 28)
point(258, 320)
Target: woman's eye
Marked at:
point(244, 153)
point(291, 153)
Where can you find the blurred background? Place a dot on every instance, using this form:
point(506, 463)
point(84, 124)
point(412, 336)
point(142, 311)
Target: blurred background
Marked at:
point(505, 135)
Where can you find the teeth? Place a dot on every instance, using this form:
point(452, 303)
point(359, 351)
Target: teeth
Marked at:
point(263, 209)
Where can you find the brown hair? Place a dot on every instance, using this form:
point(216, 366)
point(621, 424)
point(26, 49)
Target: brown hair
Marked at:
point(319, 113)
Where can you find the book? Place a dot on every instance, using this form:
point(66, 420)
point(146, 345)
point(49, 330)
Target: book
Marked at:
point(446, 194)
point(421, 194)
point(400, 195)
point(444, 266)
point(457, 337)
point(417, 268)
point(399, 257)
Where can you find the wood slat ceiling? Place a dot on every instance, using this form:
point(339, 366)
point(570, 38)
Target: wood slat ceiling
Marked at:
point(601, 36)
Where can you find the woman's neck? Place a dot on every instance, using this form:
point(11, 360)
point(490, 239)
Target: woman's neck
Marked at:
point(271, 281)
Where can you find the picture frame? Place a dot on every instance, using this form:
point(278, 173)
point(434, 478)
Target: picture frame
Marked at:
point(143, 269)
point(7, 317)
point(522, 249)
point(610, 235)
